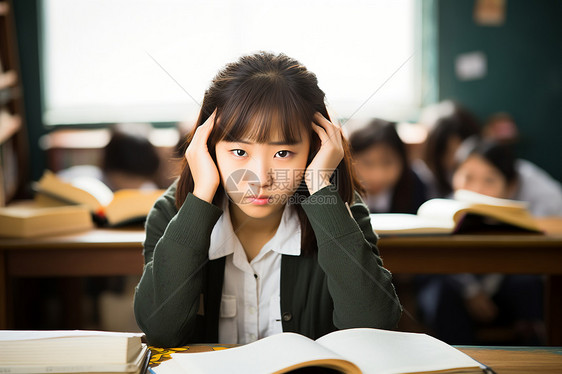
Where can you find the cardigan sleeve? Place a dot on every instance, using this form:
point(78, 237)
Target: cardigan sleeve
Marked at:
point(361, 288)
point(175, 253)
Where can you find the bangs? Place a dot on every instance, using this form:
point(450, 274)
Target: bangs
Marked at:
point(261, 110)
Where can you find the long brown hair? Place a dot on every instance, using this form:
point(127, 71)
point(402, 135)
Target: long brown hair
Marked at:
point(261, 95)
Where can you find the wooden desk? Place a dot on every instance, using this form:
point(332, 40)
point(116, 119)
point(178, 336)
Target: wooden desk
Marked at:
point(486, 253)
point(100, 252)
point(93, 253)
point(119, 252)
point(510, 254)
point(524, 360)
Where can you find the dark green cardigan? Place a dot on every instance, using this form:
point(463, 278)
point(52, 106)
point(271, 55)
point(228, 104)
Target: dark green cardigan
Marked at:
point(343, 286)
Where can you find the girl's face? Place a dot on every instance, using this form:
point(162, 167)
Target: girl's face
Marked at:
point(378, 168)
point(259, 178)
point(478, 175)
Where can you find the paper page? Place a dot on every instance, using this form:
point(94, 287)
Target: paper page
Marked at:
point(95, 187)
point(18, 335)
point(170, 367)
point(130, 203)
point(384, 223)
point(268, 355)
point(441, 209)
point(476, 198)
point(382, 351)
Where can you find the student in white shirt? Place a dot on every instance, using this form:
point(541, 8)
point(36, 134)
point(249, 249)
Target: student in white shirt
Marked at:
point(263, 231)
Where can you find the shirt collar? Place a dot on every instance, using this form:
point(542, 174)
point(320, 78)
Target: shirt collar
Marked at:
point(287, 238)
point(380, 203)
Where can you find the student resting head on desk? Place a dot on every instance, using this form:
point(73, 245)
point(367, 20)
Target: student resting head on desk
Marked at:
point(264, 231)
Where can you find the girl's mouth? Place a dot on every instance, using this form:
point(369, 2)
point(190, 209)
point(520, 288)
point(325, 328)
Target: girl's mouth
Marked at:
point(259, 200)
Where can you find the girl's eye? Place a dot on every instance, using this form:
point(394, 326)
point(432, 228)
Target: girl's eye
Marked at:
point(283, 154)
point(239, 152)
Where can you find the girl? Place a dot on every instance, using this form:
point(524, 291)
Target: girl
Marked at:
point(491, 169)
point(455, 305)
point(451, 125)
point(263, 232)
point(382, 166)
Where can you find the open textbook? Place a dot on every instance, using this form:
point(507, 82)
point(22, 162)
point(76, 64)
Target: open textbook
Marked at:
point(467, 211)
point(352, 351)
point(116, 208)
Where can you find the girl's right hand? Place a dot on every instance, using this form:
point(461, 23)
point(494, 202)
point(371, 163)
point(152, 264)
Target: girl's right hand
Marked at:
point(205, 174)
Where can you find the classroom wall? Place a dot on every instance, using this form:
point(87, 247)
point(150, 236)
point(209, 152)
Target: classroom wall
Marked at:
point(524, 71)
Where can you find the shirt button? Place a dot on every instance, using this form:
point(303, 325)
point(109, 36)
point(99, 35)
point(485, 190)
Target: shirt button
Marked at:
point(252, 310)
point(252, 337)
point(287, 316)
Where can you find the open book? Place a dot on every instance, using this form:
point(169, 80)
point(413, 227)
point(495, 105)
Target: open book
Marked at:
point(115, 208)
point(467, 211)
point(348, 351)
point(75, 351)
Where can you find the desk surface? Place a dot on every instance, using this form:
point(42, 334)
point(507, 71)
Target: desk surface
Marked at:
point(507, 360)
point(506, 253)
point(128, 237)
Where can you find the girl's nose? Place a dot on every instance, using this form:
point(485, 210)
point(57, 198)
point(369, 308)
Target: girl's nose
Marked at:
point(265, 175)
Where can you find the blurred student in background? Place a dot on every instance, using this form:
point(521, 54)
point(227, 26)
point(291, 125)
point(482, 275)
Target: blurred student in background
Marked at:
point(490, 168)
point(501, 127)
point(129, 160)
point(449, 125)
point(455, 306)
point(381, 164)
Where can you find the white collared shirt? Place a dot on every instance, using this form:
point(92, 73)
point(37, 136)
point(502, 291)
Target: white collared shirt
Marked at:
point(251, 304)
point(381, 202)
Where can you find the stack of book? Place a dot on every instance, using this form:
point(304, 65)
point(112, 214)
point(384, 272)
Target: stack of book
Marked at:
point(28, 218)
point(72, 352)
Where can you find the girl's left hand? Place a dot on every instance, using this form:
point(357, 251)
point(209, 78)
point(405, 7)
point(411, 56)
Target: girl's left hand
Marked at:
point(330, 154)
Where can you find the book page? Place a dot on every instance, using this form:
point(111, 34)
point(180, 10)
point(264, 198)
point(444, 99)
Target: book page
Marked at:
point(273, 354)
point(476, 198)
point(84, 192)
point(94, 187)
point(400, 223)
point(129, 204)
point(18, 335)
point(382, 351)
point(441, 209)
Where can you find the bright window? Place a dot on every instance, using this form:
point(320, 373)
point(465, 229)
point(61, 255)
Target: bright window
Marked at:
point(130, 60)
